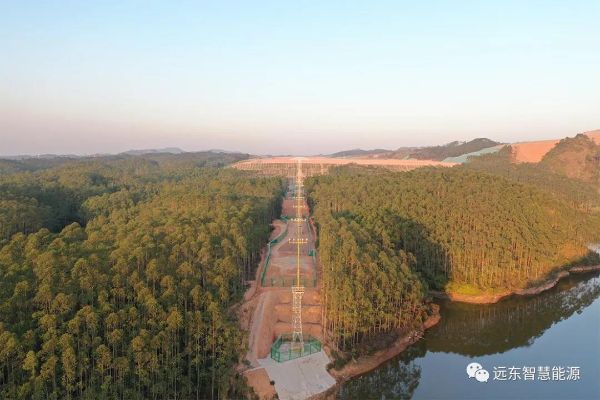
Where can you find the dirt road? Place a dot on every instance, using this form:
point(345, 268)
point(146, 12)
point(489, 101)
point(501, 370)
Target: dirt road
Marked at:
point(267, 310)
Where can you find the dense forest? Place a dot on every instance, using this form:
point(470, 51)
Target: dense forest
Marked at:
point(452, 149)
point(383, 236)
point(579, 154)
point(50, 192)
point(358, 153)
point(577, 157)
point(119, 276)
point(198, 159)
point(439, 153)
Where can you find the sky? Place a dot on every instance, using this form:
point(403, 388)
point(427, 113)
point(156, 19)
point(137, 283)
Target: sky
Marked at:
point(293, 77)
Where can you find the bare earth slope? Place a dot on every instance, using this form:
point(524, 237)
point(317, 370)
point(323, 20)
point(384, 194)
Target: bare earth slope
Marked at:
point(267, 313)
point(535, 151)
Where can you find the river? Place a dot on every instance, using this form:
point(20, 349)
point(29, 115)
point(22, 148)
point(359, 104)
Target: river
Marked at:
point(559, 328)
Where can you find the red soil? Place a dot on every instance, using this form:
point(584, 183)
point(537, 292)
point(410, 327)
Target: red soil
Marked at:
point(267, 311)
point(283, 263)
point(534, 151)
point(260, 382)
point(523, 152)
point(594, 135)
point(288, 208)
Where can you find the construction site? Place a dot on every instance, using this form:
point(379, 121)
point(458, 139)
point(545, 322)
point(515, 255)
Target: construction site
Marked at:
point(287, 354)
point(311, 166)
point(282, 312)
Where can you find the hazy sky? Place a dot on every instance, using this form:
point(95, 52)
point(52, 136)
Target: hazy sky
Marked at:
point(293, 76)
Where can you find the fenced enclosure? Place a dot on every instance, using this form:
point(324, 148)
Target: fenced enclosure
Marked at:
point(281, 349)
point(268, 256)
point(289, 280)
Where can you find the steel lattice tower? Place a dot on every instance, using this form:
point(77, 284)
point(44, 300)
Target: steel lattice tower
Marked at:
point(298, 289)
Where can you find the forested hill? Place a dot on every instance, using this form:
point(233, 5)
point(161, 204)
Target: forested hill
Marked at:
point(9, 165)
point(453, 149)
point(118, 274)
point(136, 304)
point(358, 153)
point(547, 175)
point(52, 192)
point(439, 153)
point(381, 234)
point(577, 157)
point(199, 159)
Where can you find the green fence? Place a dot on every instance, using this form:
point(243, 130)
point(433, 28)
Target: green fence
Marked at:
point(281, 236)
point(268, 257)
point(286, 281)
point(265, 265)
point(281, 349)
point(313, 254)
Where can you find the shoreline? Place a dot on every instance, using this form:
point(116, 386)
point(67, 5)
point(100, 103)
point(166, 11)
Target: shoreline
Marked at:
point(257, 377)
point(485, 298)
point(365, 364)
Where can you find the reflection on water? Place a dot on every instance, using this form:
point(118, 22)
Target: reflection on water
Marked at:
point(527, 317)
point(558, 327)
point(390, 381)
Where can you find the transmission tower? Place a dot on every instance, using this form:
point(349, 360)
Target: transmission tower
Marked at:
point(297, 343)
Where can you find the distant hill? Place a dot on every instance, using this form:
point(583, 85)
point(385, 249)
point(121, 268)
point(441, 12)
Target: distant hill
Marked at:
point(570, 169)
point(400, 153)
point(168, 159)
point(194, 159)
point(40, 157)
point(358, 153)
point(522, 152)
point(465, 157)
point(438, 153)
point(453, 149)
point(577, 157)
point(169, 150)
point(221, 151)
point(594, 135)
point(533, 152)
point(11, 166)
point(26, 163)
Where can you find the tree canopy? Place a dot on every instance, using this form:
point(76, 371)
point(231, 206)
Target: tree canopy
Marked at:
point(122, 286)
point(385, 237)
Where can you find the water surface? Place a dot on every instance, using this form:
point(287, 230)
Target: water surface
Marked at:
point(558, 328)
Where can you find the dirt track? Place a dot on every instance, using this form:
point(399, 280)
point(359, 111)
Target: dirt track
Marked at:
point(267, 310)
point(271, 305)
